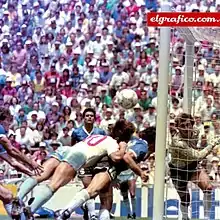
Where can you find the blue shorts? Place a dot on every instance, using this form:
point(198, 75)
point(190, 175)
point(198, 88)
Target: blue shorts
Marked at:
point(126, 176)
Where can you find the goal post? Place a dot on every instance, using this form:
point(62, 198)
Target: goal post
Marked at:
point(190, 39)
point(188, 77)
point(190, 35)
point(161, 124)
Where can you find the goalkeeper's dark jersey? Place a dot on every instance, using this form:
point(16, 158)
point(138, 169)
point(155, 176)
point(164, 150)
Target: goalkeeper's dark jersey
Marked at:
point(183, 151)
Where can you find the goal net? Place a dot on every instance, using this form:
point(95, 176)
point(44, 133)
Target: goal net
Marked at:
point(193, 189)
point(193, 34)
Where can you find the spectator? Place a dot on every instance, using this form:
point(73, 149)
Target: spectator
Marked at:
point(38, 132)
point(65, 139)
point(40, 154)
point(23, 137)
point(8, 91)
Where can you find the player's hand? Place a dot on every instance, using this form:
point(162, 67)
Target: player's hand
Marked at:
point(37, 168)
point(30, 173)
point(144, 176)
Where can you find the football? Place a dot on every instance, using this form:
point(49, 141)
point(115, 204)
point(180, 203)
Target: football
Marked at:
point(127, 98)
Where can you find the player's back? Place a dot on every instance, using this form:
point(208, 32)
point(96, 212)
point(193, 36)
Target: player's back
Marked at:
point(139, 148)
point(98, 146)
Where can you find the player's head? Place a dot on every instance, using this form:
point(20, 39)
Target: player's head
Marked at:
point(89, 116)
point(122, 131)
point(5, 118)
point(149, 135)
point(184, 122)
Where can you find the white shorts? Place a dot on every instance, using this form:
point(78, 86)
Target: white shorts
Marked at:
point(126, 177)
point(76, 156)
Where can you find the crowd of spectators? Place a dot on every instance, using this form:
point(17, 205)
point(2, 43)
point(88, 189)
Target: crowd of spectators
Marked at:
point(59, 57)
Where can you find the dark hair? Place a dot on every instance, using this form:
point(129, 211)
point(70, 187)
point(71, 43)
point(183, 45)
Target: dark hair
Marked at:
point(182, 117)
point(89, 110)
point(4, 113)
point(70, 121)
point(40, 123)
point(149, 135)
point(66, 107)
point(54, 134)
point(122, 131)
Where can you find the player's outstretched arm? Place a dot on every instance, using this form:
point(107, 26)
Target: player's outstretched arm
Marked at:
point(18, 166)
point(189, 152)
point(15, 153)
point(128, 158)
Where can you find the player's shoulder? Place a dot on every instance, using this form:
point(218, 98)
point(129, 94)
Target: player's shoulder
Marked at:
point(138, 141)
point(78, 130)
point(98, 130)
point(2, 129)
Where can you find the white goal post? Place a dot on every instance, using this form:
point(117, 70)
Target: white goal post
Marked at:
point(162, 111)
point(161, 125)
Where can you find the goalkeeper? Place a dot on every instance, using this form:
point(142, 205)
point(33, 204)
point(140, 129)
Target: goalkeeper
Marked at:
point(184, 163)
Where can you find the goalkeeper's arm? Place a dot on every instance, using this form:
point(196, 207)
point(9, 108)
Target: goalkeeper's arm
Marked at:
point(185, 151)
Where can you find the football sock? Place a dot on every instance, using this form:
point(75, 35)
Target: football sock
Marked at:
point(207, 201)
point(26, 187)
point(184, 210)
point(127, 205)
point(104, 214)
point(133, 204)
point(78, 200)
point(91, 207)
point(41, 198)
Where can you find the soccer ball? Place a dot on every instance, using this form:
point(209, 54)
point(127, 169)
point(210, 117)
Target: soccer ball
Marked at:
point(127, 98)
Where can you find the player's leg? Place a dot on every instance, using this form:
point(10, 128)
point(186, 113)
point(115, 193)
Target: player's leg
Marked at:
point(6, 197)
point(9, 203)
point(89, 210)
point(49, 167)
point(180, 181)
point(202, 179)
point(63, 174)
point(74, 158)
point(124, 192)
point(132, 191)
point(185, 201)
point(106, 200)
point(99, 181)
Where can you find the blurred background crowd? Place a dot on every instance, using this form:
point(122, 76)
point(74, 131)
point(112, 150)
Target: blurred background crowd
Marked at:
point(59, 57)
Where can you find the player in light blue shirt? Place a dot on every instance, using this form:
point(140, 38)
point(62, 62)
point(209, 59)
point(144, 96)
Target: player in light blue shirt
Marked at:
point(127, 179)
point(79, 134)
point(88, 128)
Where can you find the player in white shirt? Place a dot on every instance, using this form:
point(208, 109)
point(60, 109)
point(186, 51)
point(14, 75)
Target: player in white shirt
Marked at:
point(84, 154)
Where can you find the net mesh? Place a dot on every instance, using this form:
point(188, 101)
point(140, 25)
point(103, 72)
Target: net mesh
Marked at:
point(201, 34)
point(193, 176)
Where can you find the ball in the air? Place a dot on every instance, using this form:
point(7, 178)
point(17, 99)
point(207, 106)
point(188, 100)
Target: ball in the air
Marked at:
point(127, 98)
